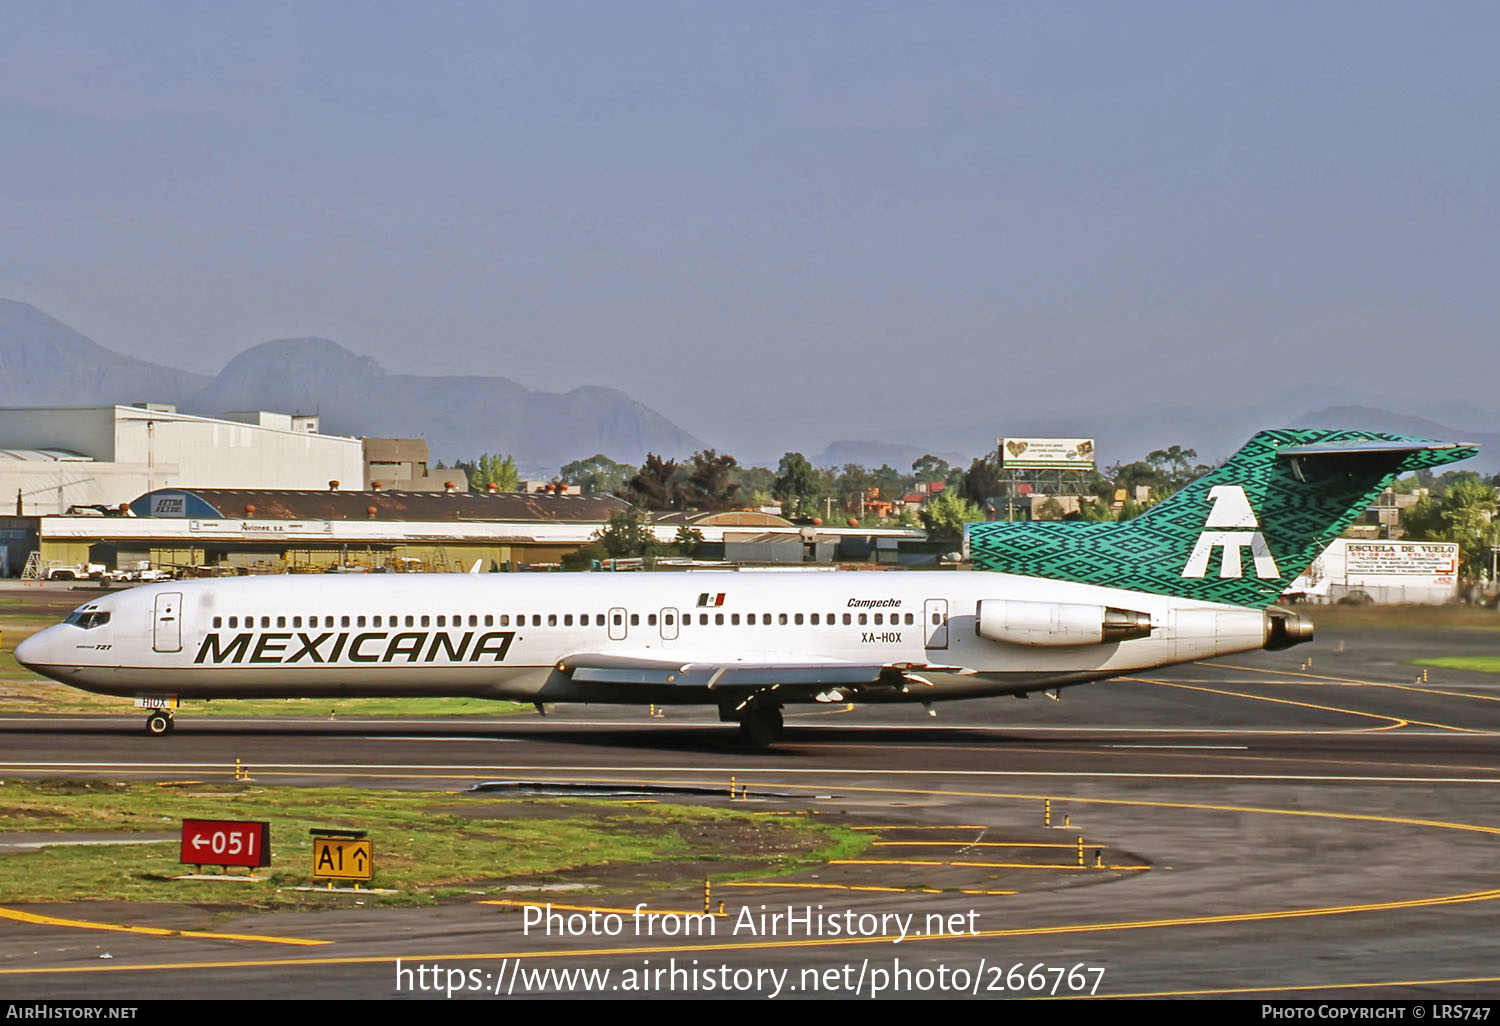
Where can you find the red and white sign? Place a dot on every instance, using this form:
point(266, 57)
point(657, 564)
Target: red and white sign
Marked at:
point(218, 842)
point(1401, 557)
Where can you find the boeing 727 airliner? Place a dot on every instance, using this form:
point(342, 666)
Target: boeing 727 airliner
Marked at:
point(1048, 605)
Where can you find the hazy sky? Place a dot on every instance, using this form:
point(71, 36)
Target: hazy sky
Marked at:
point(793, 221)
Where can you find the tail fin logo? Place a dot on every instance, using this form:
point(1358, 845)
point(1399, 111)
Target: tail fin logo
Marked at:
point(1231, 509)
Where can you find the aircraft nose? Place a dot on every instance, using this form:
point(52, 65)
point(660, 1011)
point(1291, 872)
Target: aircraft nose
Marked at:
point(32, 651)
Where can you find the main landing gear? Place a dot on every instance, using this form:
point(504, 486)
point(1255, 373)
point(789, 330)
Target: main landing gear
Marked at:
point(760, 724)
point(159, 722)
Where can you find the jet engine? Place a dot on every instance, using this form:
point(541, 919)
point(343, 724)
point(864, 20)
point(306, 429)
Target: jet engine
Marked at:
point(1016, 622)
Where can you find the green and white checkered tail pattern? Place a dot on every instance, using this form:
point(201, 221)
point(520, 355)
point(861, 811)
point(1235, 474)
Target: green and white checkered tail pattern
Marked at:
point(1240, 534)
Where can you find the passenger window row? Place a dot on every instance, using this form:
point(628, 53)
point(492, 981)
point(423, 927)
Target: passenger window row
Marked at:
point(358, 621)
point(668, 619)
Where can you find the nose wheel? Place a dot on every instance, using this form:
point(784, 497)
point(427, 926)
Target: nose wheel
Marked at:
point(159, 723)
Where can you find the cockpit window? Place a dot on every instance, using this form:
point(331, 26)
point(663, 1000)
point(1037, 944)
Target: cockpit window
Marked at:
point(87, 620)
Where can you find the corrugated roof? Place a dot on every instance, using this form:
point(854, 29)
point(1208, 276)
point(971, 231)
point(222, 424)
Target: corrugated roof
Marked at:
point(425, 507)
point(750, 538)
point(44, 456)
point(723, 518)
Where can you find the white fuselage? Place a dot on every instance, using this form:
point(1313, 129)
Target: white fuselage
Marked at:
point(511, 636)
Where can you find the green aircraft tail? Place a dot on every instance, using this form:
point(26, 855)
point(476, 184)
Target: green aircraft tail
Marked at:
point(1240, 534)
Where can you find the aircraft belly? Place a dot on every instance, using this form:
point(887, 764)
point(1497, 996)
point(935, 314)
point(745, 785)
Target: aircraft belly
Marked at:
point(518, 682)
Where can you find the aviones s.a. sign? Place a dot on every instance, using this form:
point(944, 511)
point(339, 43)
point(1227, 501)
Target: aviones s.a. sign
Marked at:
point(288, 647)
point(1231, 509)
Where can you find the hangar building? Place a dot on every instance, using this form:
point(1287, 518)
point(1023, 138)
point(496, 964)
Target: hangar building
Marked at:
point(278, 530)
point(55, 458)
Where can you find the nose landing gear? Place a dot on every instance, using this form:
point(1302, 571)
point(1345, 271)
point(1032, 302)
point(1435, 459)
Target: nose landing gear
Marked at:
point(159, 722)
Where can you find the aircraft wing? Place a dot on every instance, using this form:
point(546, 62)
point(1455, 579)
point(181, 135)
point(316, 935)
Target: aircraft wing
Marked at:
point(627, 670)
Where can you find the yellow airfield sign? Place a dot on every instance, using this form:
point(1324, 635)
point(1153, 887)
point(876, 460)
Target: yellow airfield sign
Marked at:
point(343, 858)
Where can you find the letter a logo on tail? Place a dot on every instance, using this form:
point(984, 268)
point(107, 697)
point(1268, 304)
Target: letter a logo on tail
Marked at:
point(1231, 508)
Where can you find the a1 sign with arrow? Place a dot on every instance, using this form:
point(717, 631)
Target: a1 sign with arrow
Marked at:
point(218, 842)
point(346, 857)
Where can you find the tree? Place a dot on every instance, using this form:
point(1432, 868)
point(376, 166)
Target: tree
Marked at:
point(946, 513)
point(688, 541)
point(656, 485)
point(1050, 509)
point(795, 482)
point(711, 481)
point(755, 485)
point(626, 535)
point(1131, 476)
point(931, 468)
point(888, 480)
point(982, 482)
point(1464, 512)
point(853, 483)
point(1176, 466)
point(489, 469)
point(597, 475)
point(1092, 508)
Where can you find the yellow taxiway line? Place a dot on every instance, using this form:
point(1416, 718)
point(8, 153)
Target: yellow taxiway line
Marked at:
point(978, 844)
point(647, 910)
point(672, 949)
point(863, 887)
point(974, 865)
point(966, 826)
point(1367, 683)
point(151, 931)
point(1301, 987)
point(1392, 722)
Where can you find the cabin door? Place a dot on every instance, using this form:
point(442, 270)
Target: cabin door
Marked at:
point(168, 622)
point(935, 623)
point(669, 625)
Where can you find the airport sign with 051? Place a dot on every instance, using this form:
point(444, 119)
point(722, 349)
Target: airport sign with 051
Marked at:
point(217, 842)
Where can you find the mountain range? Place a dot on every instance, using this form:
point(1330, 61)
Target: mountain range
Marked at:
point(1129, 432)
point(44, 362)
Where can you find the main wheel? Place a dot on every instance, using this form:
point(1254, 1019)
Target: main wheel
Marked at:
point(760, 726)
point(158, 723)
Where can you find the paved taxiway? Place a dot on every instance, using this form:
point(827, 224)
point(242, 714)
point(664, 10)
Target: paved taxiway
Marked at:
point(1266, 827)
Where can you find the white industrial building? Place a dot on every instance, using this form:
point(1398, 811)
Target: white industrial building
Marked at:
point(56, 458)
point(1360, 570)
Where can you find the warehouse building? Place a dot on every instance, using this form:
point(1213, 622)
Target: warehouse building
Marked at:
point(400, 465)
point(1360, 570)
point(53, 459)
point(753, 536)
point(234, 530)
point(274, 531)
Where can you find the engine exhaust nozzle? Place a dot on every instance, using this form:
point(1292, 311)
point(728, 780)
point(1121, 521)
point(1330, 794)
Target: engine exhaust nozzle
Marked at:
point(1285, 628)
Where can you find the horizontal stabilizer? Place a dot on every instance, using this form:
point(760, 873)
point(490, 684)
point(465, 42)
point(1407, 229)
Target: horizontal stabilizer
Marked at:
point(1371, 448)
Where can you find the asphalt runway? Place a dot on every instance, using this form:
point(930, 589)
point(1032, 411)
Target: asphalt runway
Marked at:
point(1313, 823)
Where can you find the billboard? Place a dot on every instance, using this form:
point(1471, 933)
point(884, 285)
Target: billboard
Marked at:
point(1380, 571)
point(1379, 558)
point(1046, 453)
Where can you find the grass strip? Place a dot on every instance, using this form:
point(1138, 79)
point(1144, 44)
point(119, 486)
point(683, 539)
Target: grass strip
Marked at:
point(429, 846)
